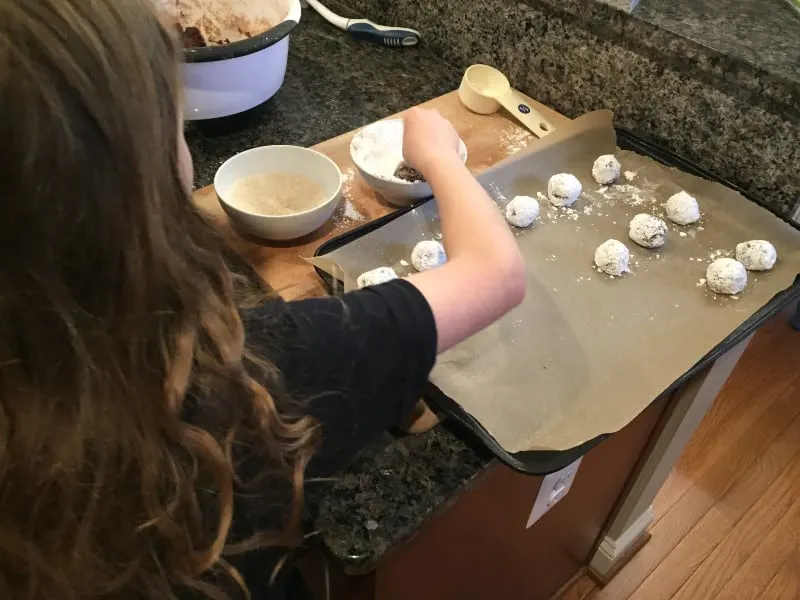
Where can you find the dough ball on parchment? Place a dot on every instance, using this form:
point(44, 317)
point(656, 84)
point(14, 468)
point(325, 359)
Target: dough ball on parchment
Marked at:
point(376, 277)
point(522, 211)
point(612, 257)
point(756, 255)
point(683, 209)
point(427, 255)
point(563, 189)
point(726, 276)
point(648, 231)
point(606, 169)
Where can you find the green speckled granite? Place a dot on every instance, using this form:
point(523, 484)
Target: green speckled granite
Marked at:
point(763, 33)
point(733, 117)
point(386, 494)
point(626, 5)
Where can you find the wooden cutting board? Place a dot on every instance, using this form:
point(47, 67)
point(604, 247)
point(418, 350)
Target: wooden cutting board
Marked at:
point(489, 139)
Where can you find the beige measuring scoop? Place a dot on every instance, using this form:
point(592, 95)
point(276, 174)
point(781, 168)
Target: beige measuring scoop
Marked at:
point(484, 90)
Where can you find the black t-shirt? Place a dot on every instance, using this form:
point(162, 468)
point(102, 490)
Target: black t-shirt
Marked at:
point(357, 362)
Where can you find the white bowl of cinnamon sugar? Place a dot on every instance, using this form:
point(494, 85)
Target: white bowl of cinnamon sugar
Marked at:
point(279, 192)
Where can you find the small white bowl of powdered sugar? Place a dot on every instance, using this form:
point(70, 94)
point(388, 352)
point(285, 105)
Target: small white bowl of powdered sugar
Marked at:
point(377, 153)
point(279, 192)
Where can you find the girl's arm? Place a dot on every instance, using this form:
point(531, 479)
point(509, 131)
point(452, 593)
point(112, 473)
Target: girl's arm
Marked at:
point(484, 276)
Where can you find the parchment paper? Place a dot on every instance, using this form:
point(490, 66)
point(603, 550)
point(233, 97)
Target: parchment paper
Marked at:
point(586, 353)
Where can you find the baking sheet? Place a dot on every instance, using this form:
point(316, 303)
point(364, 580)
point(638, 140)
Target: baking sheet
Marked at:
point(586, 353)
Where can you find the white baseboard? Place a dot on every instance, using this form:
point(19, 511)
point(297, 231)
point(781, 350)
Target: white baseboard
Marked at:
point(611, 550)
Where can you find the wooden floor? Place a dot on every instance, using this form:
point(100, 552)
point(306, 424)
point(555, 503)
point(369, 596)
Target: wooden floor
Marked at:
point(727, 523)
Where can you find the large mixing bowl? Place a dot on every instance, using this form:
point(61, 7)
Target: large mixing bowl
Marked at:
point(224, 79)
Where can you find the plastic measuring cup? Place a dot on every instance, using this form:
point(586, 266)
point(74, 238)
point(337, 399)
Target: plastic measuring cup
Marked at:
point(484, 90)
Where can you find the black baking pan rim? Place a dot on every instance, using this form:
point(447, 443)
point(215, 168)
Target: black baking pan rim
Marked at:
point(544, 462)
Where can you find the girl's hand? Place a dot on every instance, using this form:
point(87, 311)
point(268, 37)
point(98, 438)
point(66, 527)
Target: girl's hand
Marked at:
point(428, 138)
point(477, 238)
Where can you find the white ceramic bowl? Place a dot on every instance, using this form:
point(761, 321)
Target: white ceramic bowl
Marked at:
point(286, 159)
point(224, 80)
point(389, 151)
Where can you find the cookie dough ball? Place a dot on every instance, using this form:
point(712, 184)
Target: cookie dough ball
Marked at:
point(756, 255)
point(648, 231)
point(408, 173)
point(726, 276)
point(376, 277)
point(522, 211)
point(683, 209)
point(612, 257)
point(606, 169)
point(563, 189)
point(427, 255)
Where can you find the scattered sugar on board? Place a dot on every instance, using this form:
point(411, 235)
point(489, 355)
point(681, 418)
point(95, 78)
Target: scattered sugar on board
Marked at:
point(347, 213)
point(630, 175)
point(351, 212)
point(514, 140)
point(348, 179)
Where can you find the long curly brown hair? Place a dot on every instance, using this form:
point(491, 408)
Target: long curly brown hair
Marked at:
point(126, 389)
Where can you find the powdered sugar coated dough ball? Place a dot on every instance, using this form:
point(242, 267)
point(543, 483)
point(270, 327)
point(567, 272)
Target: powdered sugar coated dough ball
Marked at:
point(563, 189)
point(648, 231)
point(756, 255)
point(427, 255)
point(726, 276)
point(522, 211)
point(376, 277)
point(612, 257)
point(683, 209)
point(606, 169)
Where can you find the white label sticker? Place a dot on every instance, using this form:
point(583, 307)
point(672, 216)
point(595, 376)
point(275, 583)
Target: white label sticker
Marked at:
point(553, 489)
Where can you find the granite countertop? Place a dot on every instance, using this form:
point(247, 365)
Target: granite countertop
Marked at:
point(334, 85)
point(745, 48)
point(763, 33)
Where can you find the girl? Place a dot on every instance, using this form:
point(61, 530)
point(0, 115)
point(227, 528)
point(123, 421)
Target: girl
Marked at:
point(155, 435)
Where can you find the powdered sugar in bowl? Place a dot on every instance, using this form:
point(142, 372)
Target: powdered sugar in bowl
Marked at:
point(377, 151)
